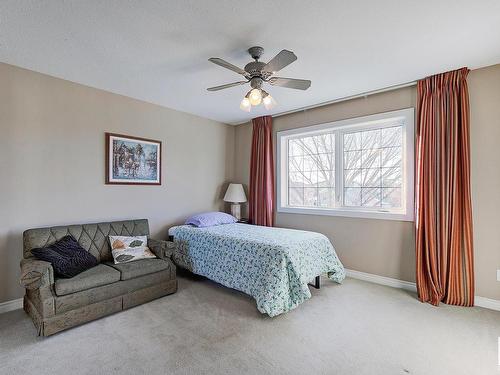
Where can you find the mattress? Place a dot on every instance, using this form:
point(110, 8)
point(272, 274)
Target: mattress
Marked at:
point(273, 265)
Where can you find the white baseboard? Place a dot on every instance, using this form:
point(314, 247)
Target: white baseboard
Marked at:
point(487, 303)
point(11, 305)
point(395, 283)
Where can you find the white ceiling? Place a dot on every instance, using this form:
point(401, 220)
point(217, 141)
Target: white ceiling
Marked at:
point(157, 51)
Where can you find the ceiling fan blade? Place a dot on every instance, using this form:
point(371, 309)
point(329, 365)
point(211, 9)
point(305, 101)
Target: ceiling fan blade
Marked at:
point(291, 83)
point(279, 61)
point(226, 86)
point(227, 65)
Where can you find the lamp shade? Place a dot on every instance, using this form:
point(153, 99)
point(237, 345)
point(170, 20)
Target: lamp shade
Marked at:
point(235, 194)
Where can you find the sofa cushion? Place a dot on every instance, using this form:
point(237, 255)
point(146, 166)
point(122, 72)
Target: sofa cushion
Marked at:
point(104, 292)
point(140, 267)
point(94, 277)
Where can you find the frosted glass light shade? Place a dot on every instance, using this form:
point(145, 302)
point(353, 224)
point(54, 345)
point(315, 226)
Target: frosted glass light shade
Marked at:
point(269, 102)
point(255, 97)
point(245, 105)
point(235, 194)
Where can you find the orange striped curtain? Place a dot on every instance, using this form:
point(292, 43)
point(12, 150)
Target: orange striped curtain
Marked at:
point(261, 197)
point(444, 249)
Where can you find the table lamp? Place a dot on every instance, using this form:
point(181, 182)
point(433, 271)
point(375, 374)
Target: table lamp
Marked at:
point(236, 195)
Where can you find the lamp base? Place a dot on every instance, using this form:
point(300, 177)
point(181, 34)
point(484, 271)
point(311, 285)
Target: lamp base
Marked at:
point(236, 210)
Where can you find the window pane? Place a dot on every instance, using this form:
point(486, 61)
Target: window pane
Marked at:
point(310, 178)
point(294, 148)
point(352, 159)
point(352, 196)
point(308, 144)
point(326, 161)
point(373, 161)
point(311, 165)
point(296, 163)
point(326, 197)
point(352, 178)
point(326, 178)
point(295, 179)
point(310, 197)
point(370, 139)
point(391, 177)
point(296, 196)
point(352, 141)
point(370, 158)
point(371, 197)
point(392, 136)
point(391, 157)
point(324, 143)
point(391, 197)
point(371, 177)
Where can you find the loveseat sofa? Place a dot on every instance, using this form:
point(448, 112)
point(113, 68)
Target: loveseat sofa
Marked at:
point(56, 304)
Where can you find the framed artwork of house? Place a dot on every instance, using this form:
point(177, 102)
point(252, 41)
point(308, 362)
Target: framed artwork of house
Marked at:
point(132, 160)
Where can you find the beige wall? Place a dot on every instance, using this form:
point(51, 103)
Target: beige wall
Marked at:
point(384, 247)
point(484, 94)
point(52, 170)
point(52, 161)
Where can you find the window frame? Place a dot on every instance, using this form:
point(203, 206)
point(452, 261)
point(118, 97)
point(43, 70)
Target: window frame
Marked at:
point(406, 213)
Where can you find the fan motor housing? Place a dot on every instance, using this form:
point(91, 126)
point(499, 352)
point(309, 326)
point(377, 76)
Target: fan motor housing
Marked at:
point(256, 82)
point(254, 67)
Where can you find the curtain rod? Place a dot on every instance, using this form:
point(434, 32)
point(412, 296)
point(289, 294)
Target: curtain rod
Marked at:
point(355, 96)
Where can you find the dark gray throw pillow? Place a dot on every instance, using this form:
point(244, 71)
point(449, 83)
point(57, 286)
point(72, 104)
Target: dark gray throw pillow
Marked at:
point(67, 257)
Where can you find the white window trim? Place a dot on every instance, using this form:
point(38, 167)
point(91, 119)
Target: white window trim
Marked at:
point(405, 214)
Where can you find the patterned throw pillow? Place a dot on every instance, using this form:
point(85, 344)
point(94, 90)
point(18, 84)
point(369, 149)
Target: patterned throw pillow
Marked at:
point(67, 257)
point(127, 249)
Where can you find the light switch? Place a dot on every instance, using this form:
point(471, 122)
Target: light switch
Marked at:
point(498, 275)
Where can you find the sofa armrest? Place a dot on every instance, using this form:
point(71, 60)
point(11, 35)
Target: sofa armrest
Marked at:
point(162, 249)
point(36, 273)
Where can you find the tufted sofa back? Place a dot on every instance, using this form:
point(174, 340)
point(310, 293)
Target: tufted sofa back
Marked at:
point(92, 237)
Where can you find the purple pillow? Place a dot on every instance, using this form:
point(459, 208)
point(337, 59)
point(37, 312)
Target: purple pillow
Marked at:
point(210, 219)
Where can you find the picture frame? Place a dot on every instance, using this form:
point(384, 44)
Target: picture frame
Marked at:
point(132, 160)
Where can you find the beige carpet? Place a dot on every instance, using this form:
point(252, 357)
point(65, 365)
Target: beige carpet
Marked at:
point(355, 328)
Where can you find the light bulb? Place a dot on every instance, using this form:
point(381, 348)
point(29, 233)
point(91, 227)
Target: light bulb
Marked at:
point(245, 105)
point(255, 97)
point(269, 102)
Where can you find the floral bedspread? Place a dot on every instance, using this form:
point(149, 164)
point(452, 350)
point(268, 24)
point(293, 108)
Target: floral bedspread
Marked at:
point(273, 265)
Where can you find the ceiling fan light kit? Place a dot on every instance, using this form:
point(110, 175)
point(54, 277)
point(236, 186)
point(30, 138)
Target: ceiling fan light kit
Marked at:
point(268, 101)
point(255, 96)
point(257, 73)
point(245, 104)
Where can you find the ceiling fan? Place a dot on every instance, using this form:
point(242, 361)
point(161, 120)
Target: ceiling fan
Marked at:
point(258, 73)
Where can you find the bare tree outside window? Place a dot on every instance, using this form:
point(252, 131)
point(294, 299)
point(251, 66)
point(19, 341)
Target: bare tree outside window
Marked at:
point(311, 171)
point(373, 168)
point(358, 167)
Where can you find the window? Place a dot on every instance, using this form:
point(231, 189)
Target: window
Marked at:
point(361, 167)
point(311, 171)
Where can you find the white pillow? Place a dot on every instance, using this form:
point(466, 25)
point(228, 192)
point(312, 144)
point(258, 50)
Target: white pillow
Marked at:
point(127, 249)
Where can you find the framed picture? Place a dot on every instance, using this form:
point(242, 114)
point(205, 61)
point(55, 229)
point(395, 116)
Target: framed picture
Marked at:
point(132, 160)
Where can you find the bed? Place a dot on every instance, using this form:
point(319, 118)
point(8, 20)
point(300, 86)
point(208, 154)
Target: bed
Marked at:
point(273, 265)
